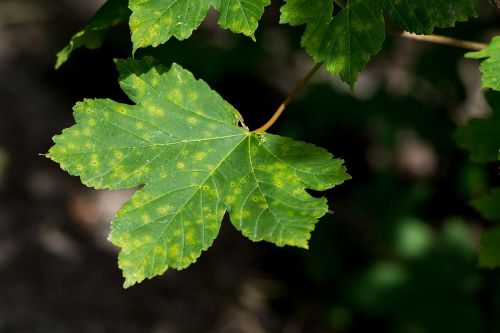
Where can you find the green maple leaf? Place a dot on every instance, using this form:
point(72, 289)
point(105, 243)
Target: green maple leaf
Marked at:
point(183, 142)
point(153, 22)
point(92, 35)
point(491, 66)
point(345, 42)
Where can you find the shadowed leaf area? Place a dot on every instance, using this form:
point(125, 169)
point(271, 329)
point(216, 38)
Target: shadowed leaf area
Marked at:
point(92, 35)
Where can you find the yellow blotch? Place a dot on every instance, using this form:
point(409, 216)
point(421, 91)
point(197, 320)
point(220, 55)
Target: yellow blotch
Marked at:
point(199, 156)
point(177, 232)
point(163, 210)
point(174, 250)
point(146, 218)
point(177, 96)
point(139, 125)
point(168, 20)
point(278, 182)
point(122, 110)
point(192, 120)
point(190, 237)
point(156, 111)
point(180, 165)
point(193, 96)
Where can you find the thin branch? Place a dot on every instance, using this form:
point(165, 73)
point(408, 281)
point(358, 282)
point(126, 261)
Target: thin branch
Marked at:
point(438, 39)
point(287, 101)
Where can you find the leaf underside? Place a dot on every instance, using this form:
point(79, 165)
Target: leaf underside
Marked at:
point(182, 141)
point(345, 42)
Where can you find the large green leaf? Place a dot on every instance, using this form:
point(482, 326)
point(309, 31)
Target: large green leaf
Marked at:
point(153, 22)
point(345, 42)
point(490, 67)
point(187, 146)
point(111, 13)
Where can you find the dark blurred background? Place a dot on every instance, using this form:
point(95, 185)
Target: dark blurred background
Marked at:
point(399, 254)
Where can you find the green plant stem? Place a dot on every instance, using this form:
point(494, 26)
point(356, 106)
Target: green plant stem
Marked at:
point(289, 98)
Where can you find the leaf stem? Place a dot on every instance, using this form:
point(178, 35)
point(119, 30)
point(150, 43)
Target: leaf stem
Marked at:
point(298, 88)
point(438, 39)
